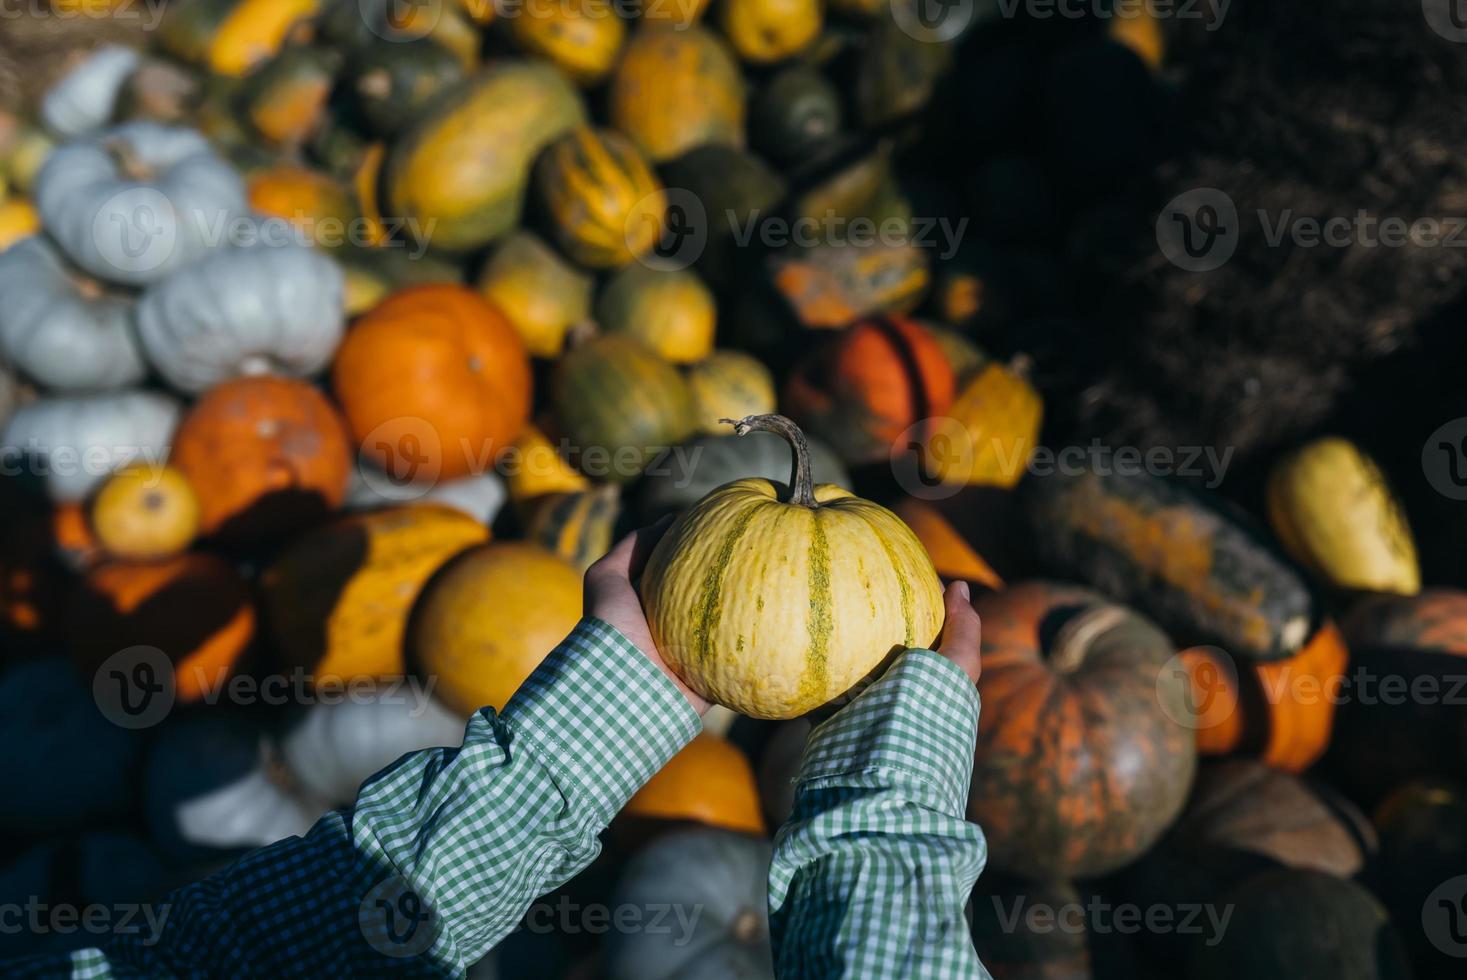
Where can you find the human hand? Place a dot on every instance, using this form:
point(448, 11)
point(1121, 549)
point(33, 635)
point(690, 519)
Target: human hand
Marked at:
point(611, 595)
point(962, 631)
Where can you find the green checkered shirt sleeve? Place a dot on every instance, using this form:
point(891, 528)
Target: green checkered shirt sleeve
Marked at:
point(445, 849)
point(874, 867)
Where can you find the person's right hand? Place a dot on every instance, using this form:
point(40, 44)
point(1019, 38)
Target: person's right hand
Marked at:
point(962, 631)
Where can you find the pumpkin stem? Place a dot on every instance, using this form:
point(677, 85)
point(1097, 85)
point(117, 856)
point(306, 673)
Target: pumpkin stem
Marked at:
point(1073, 640)
point(802, 481)
point(128, 161)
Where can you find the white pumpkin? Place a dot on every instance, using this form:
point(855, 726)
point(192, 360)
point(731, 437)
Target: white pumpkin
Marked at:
point(60, 329)
point(84, 100)
point(480, 495)
point(135, 203)
point(337, 745)
point(261, 308)
point(74, 442)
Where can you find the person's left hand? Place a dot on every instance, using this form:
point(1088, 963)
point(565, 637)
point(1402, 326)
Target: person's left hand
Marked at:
point(610, 595)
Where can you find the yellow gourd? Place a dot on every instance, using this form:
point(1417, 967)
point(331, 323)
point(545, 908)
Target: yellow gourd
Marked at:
point(145, 511)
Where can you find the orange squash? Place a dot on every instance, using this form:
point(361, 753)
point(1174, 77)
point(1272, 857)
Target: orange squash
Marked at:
point(435, 383)
point(863, 389)
point(318, 206)
point(677, 89)
point(952, 556)
point(285, 101)
point(602, 197)
point(337, 601)
point(709, 782)
point(194, 608)
point(1281, 711)
point(488, 618)
point(534, 468)
point(266, 456)
point(145, 511)
point(230, 37)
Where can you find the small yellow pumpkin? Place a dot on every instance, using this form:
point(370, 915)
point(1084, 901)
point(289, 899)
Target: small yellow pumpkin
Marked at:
point(1335, 514)
point(541, 293)
point(766, 31)
point(773, 600)
point(533, 468)
point(669, 310)
point(488, 618)
point(582, 37)
point(994, 429)
point(602, 197)
point(146, 511)
point(729, 384)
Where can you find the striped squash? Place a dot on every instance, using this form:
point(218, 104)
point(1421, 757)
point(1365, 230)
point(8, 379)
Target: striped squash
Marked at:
point(577, 526)
point(604, 202)
point(674, 90)
point(620, 405)
point(773, 600)
point(582, 37)
point(459, 173)
point(669, 310)
point(729, 385)
point(534, 468)
point(230, 37)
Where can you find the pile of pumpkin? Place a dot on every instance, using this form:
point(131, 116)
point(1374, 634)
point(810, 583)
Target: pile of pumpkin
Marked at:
point(385, 445)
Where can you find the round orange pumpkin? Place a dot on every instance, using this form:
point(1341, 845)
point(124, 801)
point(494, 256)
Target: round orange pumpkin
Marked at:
point(605, 203)
point(194, 608)
point(266, 456)
point(146, 511)
point(488, 618)
point(338, 600)
point(865, 387)
point(710, 782)
point(435, 383)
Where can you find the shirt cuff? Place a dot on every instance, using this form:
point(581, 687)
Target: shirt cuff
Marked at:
point(919, 718)
point(604, 716)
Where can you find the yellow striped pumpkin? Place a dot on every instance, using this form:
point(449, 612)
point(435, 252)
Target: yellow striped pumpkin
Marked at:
point(602, 198)
point(729, 384)
point(775, 599)
point(578, 526)
point(620, 405)
point(669, 310)
point(1335, 514)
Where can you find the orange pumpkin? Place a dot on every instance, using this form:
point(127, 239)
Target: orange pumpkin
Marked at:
point(337, 600)
point(195, 608)
point(865, 387)
point(435, 383)
point(710, 782)
point(1281, 711)
point(145, 511)
point(266, 456)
